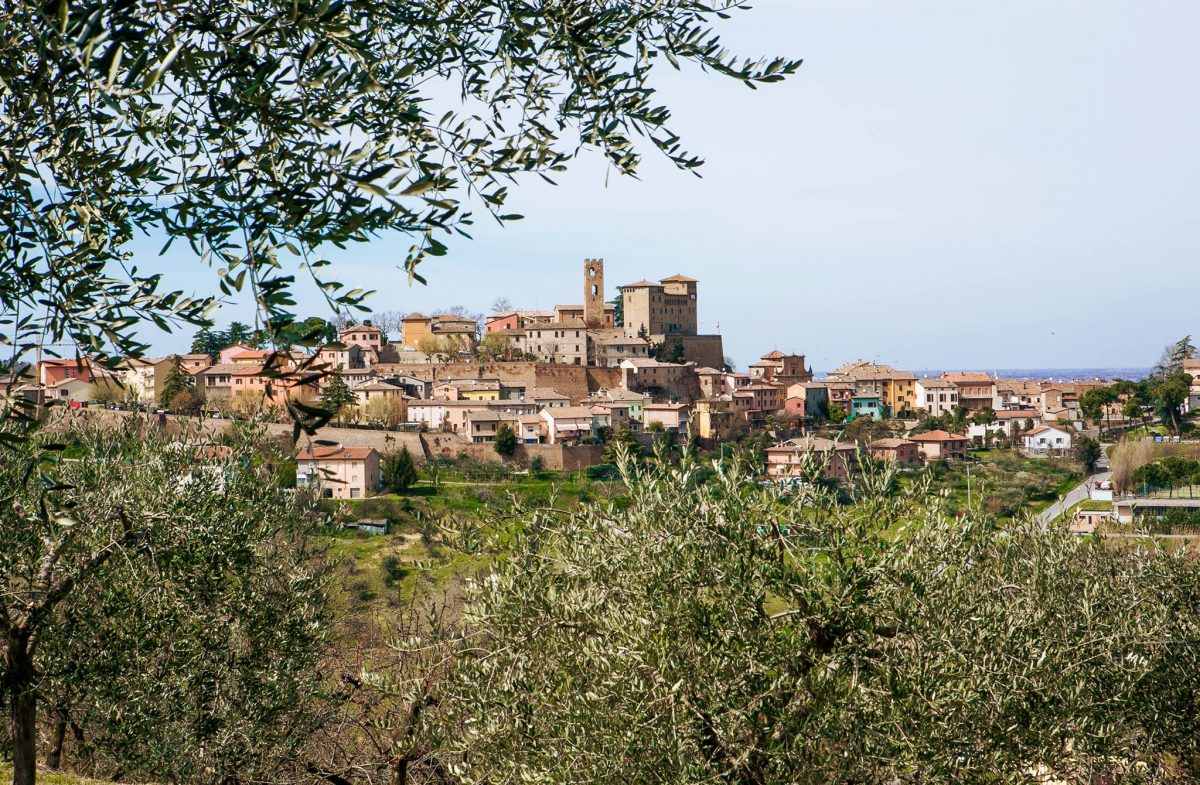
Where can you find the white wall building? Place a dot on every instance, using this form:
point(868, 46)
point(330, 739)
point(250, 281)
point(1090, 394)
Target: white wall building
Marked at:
point(936, 396)
point(1048, 440)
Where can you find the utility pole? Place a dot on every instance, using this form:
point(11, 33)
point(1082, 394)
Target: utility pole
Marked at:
point(968, 485)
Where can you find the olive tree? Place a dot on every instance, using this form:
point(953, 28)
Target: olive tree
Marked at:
point(252, 135)
point(723, 631)
point(160, 598)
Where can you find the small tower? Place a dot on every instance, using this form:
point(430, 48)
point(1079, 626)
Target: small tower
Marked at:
point(593, 292)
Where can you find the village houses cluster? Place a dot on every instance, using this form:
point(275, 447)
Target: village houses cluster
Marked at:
point(565, 375)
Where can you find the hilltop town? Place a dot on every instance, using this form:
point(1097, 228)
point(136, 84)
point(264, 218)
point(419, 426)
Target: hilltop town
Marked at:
point(574, 377)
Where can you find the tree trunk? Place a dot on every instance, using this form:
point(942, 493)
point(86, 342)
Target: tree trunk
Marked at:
point(54, 757)
point(23, 702)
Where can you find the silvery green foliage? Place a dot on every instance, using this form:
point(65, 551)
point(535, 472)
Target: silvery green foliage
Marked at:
point(176, 608)
point(256, 132)
point(728, 632)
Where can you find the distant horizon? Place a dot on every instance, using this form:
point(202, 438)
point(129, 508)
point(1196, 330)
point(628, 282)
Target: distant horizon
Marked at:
point(1057, 373)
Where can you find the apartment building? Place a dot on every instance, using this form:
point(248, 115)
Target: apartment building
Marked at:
point(339, 472)
point(787, 460)
point(558, 342)
point(936, 397)
point(976, 390)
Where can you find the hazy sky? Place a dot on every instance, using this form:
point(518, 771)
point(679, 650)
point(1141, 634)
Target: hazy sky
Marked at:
point(943, 184)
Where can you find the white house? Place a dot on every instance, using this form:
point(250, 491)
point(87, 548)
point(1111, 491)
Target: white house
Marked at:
point(530, 428)
point(1006, 422)
point(1048, 440)
point(936, 396)
point(567, 423)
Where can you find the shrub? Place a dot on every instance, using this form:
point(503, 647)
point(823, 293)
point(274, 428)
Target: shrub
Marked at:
point(602, 471)
point(399, 472)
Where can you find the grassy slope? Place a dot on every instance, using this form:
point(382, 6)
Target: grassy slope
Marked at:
point(1000, 471)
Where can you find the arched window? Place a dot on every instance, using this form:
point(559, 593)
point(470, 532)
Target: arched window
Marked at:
point(595, 290)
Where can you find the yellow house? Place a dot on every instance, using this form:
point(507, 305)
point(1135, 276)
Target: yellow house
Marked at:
point(416, 330)
point(714, 418)
point(900, 393)
point(468, 391)
point(478, 394)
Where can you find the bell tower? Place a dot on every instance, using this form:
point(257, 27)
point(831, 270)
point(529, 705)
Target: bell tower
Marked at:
point(593, 292)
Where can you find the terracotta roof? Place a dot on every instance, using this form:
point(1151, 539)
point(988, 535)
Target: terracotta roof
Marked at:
point(568, 412)
point(334, 453)
point(546, 393)
point(811, 444)
point(252, 354)
point(889, 444)
point(774, 354)
point(865, 371)
point(530, 419)
point(361, 328)
point(415, 316)
point(624, 394)
point(195, 357)
point(678, 278)
point(617, 340)
point(967, 377)
point(937, 384)
point(219, 368)
point(570, 324)
point(642, 284)
point(1017, 414)
point(937, 436)
point(378, 384)
point(488, 414)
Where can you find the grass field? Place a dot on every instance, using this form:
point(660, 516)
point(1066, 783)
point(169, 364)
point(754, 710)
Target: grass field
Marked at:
point(49, 778)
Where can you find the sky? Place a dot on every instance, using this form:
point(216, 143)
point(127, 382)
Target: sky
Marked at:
point(942, 184)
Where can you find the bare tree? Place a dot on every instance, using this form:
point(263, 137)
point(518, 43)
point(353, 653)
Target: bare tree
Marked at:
point(389, 322)
point(501, 305)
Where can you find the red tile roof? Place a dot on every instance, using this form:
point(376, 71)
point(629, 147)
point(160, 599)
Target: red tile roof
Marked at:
point(334, 453)
point(937, 436)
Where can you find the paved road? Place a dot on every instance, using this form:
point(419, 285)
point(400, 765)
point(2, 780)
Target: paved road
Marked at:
point(1076, 494)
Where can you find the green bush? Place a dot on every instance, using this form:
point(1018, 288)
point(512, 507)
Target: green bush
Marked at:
point(603, 472)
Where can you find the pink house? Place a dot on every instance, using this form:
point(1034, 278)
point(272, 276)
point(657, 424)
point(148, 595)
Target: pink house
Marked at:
point(362, 335)
point(672, 416)
point(52, 372)
point(339, 472)
point(194, 363)
point(227, 354)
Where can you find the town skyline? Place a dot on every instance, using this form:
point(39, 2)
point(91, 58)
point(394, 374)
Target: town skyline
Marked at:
point(914, 193)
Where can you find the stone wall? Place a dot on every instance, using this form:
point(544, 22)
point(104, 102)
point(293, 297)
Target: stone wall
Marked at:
point(384, 441)
point(422, 446)
point(703, 350)
point(598, 377)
